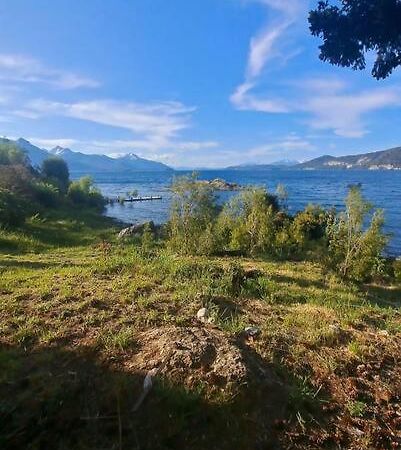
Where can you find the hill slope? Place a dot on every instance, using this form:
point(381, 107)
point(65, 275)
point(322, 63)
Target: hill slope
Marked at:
point(385, 159)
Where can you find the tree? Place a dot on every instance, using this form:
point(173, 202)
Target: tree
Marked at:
point(355, 249)
point(356, 27)
point(56, 170)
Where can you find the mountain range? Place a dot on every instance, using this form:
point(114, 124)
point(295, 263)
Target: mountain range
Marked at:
point(382, 160)
point(87, 163)
point(282, 164)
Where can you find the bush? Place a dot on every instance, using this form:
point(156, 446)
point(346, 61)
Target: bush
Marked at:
point(247, 222)
point(17, 179)
point(83, 192)
point(192, 218)
point(355, 251)
point(46, 194)
point(13, 210)
point(307, 228)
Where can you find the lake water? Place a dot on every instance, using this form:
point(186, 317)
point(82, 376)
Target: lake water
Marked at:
point(324, 187)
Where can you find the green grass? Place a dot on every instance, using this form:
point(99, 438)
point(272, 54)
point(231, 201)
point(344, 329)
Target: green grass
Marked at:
point(75, 305)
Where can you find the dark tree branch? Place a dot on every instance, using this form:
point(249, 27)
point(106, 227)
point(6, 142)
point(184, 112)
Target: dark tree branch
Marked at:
point(356, 27)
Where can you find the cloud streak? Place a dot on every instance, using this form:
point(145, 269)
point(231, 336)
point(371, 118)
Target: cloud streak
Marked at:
point(23, 69)
point(154, 120)
point(265, 47)
point(328, 103)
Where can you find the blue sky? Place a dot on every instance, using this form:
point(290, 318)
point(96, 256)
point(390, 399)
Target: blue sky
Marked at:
point(204, 83)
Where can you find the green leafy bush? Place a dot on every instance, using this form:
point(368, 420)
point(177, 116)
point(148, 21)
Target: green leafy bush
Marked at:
point(46, 194)
point(247, 222)
point(356, 247)
point(192, 218)
point(13, 210)
point(83, 192)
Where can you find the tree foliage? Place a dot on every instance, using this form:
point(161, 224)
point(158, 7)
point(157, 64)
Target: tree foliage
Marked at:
point(356, 246)
point(355, 27)
point(13, 209)
point(55, 170)
point(84, 193)
point(247, 222)
point(192, 218)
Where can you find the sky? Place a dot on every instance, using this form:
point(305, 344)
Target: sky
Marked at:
point(191, 83)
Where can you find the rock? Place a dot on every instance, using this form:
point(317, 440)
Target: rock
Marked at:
point(203, 315)
point(252, 332)
point(135, 229)
point(221, 185)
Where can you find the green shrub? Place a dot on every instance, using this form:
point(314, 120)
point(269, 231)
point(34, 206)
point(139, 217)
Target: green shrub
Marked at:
point(46, 194)
point(83, 192)
point(247, 222)
point(17, 179)
point(355, 251)
point(307, 228)
point(13, 209)
point(192, 218)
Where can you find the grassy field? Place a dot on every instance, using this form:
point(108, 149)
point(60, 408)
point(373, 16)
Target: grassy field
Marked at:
point(84, 317)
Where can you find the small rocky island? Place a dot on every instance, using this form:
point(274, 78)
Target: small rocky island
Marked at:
point(221, 185)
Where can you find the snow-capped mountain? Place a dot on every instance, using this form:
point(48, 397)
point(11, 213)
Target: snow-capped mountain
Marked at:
point(85, 163)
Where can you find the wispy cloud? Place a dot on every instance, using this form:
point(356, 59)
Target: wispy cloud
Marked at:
point(265, 47)
point(345, 113)
point(23, 69)
point(244, 100)
point(328, 103)
point(160, 121)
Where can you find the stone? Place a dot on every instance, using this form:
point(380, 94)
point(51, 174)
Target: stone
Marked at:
point(203, 315)
point(252, 332)
point(136, 229)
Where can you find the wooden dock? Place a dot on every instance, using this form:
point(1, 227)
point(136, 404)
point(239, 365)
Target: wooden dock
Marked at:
point(133, 199)
point(143, 199)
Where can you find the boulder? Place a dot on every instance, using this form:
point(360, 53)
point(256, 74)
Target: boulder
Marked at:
point(136, 229)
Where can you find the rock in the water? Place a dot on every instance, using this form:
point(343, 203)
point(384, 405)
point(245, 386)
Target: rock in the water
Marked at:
point(135, 229)
point(221, 185)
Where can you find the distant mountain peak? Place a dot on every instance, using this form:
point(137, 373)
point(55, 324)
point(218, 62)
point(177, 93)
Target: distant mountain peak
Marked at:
point(22, 141)
point(89, 163)
point(130, 156)
point(59, 151)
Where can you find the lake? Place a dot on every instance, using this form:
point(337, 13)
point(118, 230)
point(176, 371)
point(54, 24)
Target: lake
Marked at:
point(325, 187)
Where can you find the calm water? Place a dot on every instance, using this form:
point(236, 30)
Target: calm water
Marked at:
point(327, 188)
